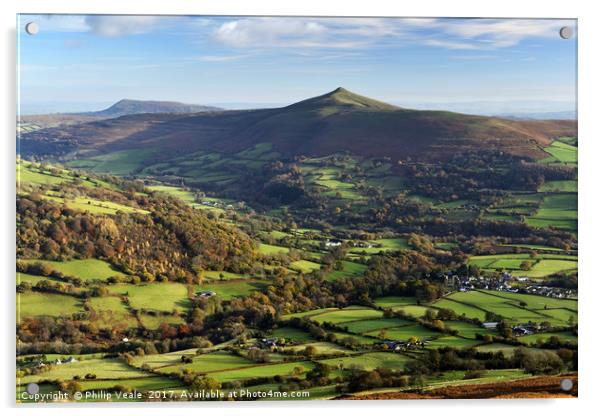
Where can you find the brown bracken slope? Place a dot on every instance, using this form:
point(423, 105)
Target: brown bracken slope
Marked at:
point(339, 121)
point(530, 388)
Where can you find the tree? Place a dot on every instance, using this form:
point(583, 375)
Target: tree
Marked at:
point(204, 383)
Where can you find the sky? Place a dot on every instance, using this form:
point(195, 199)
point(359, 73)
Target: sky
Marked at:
point(86, 62)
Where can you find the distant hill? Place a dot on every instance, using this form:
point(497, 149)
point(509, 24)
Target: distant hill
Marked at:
point(126, 107)
point(340, 121)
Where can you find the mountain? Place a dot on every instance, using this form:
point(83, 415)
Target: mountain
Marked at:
point(127, 107)
point(340, 121)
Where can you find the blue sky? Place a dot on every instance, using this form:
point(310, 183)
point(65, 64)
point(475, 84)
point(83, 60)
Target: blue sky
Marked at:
point(79, 62)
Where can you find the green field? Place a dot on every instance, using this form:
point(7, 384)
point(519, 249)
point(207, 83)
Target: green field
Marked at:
point(264, 370)
point(461, 309)
point(360, 327)
point(228, 290)
point(452, 341)
point(212, 362)
point(559, 186)
point(350, 269)
point(561, 152)
point(164, 297)
point(105, 368)
point(176, 192)
point(541, 265)
point(293, 334)
point(269, 249)
point(403, 333)
point(508, 306)
point(370, 361)
point(88, 269)
point(122, 162)
point(468, 330)
point(348, 314)
point(46, 304)
point(322, 348)
point(392, 301)
point(304, 266)
point(556, 210)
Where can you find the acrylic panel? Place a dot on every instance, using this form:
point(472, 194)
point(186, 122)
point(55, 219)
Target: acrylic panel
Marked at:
point(295, 208)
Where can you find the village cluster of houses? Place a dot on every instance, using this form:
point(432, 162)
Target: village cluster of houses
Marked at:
point(505, 283)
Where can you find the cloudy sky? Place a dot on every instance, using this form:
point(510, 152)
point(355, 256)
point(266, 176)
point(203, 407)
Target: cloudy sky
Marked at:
point(79, 62)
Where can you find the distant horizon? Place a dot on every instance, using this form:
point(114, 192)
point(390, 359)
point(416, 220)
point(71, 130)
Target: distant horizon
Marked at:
point(470, 107)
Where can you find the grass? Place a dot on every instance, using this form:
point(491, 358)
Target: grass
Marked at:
point(305, 314)
point(164, 297)
point(104, 368)
point(452, 341)
point(392, 301)
point(229, 290)
point(370, 361)
point(347, 314)
point(46, 304)
point(468, 330)
point(110, 311)
point(533, 339)
point(556, 210)
point(304, 266)
point(87, 269)
point(350, 269)
point(417, 311)
point(508, 306)
point(212, 362)
point(405, 332)
point(162, 360)
point(321, 348)
point(176, 192)
point(292, 334)
point(559, 186)
point(547, 267)
point(270, 250)
point(562, 152)
point(542, 265)
point(122, 162)
point(507, 350)
point(267, 370)
point(461, 309)
point(219, 275)
point(154, 322)
point(360, 327)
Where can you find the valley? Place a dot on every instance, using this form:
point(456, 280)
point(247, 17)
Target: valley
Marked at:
point(339, 246)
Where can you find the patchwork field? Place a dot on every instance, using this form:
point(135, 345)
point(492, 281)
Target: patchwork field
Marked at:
point(525, 265)
point(88, 269)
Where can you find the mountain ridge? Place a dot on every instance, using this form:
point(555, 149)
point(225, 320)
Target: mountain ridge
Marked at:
point(338, 121)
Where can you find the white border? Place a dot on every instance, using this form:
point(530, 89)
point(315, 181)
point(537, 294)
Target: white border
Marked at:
point(590, 317)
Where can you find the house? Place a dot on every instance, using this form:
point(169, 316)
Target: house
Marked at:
point(490, 325)
point(269, 343)
point(330, 243)
point(70, 360)
point(58, 361)
point(205, 294)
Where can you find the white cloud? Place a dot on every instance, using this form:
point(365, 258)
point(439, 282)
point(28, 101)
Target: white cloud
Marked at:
point(494, 33)
point(115, 26)
point(268, 32)
point(450, 44)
